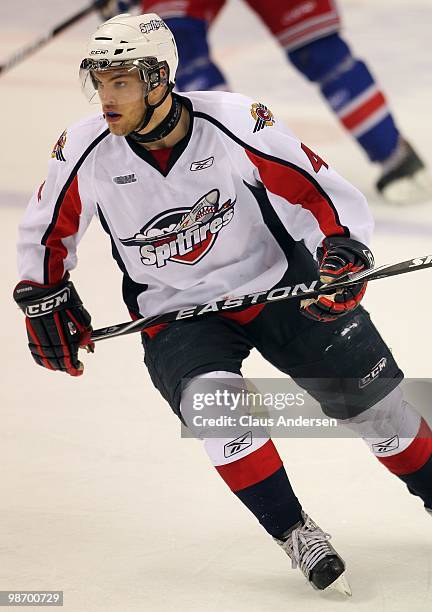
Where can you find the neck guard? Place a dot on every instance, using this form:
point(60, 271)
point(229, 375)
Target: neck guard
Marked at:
point(164, 128)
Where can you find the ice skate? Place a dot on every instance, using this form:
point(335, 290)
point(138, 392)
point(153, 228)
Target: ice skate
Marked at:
point(309, 549)
point(404, 178)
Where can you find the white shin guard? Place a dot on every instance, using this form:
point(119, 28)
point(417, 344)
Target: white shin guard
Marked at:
point(225, 440)
point(389, 426)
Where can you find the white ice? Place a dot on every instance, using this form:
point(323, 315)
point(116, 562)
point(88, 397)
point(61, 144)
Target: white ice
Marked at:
point(100, 496)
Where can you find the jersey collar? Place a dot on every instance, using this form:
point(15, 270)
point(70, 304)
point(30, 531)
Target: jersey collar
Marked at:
point(177, 149)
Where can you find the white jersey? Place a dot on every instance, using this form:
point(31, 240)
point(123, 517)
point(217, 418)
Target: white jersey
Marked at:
point(238, 192)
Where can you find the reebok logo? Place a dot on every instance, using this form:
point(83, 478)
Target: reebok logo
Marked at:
point(125, 179)
point(238, 445)
point(386, 446)
point(202, 165)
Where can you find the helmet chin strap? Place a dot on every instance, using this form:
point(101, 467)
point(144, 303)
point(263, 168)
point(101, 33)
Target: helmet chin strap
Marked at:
point(167, 124)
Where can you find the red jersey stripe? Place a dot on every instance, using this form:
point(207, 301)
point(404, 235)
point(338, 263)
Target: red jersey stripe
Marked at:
point(244, 316)
point(295, 186)
point(151, 331)
point(66, 224)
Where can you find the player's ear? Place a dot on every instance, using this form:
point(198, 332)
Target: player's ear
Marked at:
point(163, 76)
point(156, 94)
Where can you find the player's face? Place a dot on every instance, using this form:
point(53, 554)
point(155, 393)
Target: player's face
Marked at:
point(121, 93)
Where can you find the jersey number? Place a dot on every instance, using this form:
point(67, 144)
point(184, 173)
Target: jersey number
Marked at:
point(314, 159)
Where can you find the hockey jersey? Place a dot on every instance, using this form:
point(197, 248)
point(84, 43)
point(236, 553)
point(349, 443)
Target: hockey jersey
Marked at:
point(238, 192)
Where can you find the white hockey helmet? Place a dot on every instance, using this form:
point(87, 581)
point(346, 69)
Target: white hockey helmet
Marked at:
point(142, 42)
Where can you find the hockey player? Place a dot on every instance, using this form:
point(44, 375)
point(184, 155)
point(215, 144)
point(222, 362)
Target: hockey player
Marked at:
point(309, 33)
point(208, 195)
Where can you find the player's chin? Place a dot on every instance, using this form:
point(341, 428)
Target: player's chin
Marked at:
point(118, 130)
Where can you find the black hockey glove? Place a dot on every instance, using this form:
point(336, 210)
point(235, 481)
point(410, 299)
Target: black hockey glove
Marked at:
point(57, 324)
point(337, 257)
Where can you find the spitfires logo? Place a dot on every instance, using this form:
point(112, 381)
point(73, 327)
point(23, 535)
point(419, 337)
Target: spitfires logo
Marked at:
point(57, 151)
point(262, 115)
point(183, 235)
point(152, 25)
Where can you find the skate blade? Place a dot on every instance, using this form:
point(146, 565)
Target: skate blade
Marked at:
point(410, 190)
point(341, 585)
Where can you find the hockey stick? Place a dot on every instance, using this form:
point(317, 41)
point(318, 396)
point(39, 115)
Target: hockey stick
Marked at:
point(299, 291)
point(37, 44)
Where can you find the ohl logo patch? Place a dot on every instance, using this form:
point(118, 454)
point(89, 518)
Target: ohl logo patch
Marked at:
point(57, 151)
point(262, 115)
point(183, 235)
